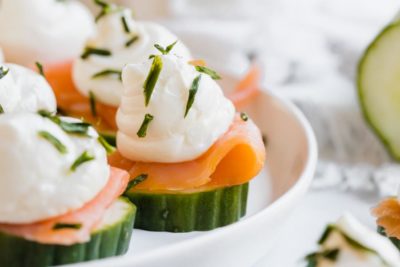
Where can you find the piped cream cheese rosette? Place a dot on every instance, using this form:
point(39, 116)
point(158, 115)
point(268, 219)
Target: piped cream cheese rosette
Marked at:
point(184, 144)
point(48, 31)
point(59, 196)
point(91, 85)
point(23, 90)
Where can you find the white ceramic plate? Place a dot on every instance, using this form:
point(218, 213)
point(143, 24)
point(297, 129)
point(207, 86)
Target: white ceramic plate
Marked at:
point(291, 160)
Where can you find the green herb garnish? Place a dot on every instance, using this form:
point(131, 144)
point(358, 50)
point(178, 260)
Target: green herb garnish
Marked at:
point(68, 127)
point(84, 157)
point(125, 25)
point(143, 128)
point(244, 116)
point(212, 73)
point(138, 179)
point(95, 51)
point(105, 9)
point(192, 93)
point(132, 41)
point(1, 109)
point(54, 141)
point(3, 71)
point(75, 127)
point(40, 68)
point(152, 78)
point(73, 226)
point(107, 72)
point(167, 49)
point(92, 102)
point(109, 148)
point(329, 254)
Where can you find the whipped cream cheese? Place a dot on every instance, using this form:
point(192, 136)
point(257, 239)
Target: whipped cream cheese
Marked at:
point(23, 90)
point(48, 31)
point(170, 136)
point(114, 35)
point(349, 256)
point(36, 182)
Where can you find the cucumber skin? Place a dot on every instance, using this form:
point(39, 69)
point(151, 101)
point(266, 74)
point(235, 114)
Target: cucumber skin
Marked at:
point(186, 212)
point(395, 241)
point(112, 241)
point(395, 23)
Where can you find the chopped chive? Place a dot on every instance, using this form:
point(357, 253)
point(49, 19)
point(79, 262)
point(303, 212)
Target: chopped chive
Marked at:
point(244, 116)
point(329, 254)
point(95, 51)
point(3, 71)
point(107, 72)
point(212, 73)
point(54, 141)
point(192, 93)
point(105, 9)
point(1, 109)
point(73, 226)
point(152, 78)
point(131, 41)
point(92, 101)
point(68, 127)
point(170, 47)
point(75, 127)
point(109, 148)
point(326, 234)
point(125, 24)
point(101, 3)
point(84, 157)
point(143, 128)
point(166, 50)
point(40, 68)
point(137, 180)
point(160, 48)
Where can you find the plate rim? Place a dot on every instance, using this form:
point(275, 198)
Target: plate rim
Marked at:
point(299, 188)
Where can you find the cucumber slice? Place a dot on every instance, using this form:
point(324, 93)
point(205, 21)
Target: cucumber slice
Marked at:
point(395, 241)
point(189, 211)
point(110, 238)
point(379, 86)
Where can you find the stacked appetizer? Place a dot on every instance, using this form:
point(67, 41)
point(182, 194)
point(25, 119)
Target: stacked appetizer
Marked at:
point(90, 86)
point(348, 243)
point(48, 31)
point(60, 200)
point(388, 219)
point(181, 140)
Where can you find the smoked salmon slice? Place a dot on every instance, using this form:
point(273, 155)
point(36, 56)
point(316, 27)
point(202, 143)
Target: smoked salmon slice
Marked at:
point(87, 217)
point(234, 159)
point(72, 102)
point(247, 89)
point(388, 216)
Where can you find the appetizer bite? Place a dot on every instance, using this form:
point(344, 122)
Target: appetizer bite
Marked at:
point(45, 30)
point(348, 243)
point(189, 154)
point(90, 86)
point(23, 90)
point(388, 219)
point(60, 200)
